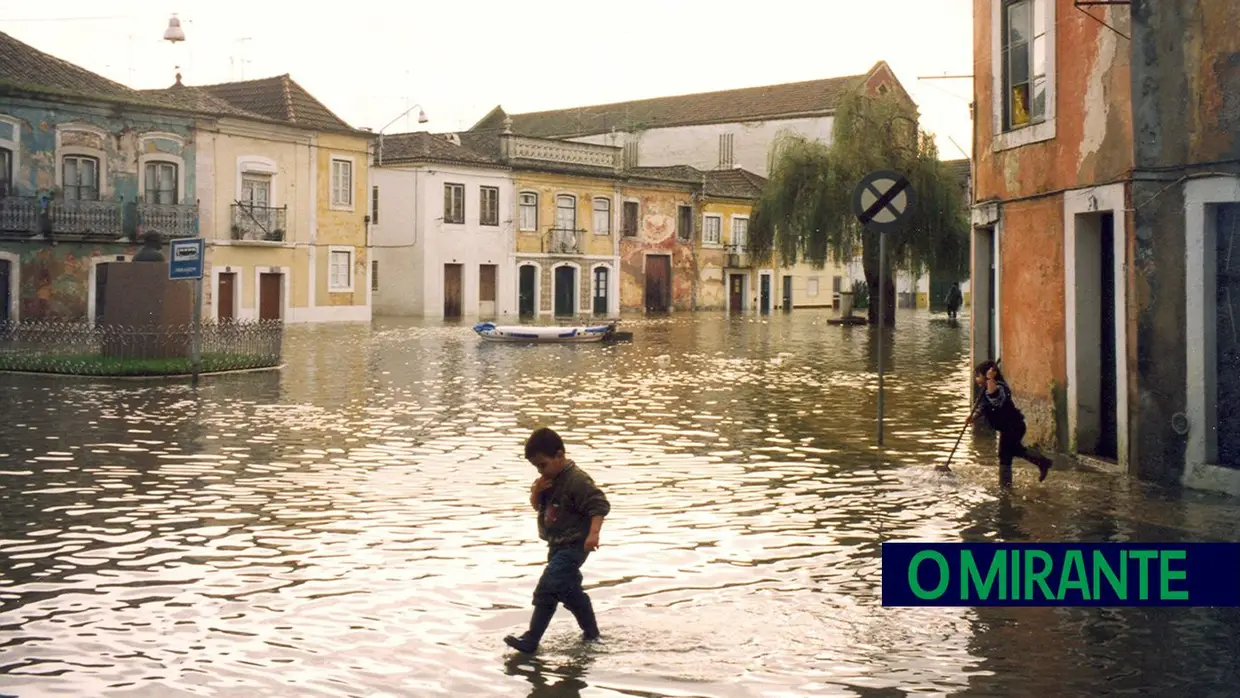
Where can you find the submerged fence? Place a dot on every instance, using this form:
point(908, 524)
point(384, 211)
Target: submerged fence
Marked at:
point(79, 348)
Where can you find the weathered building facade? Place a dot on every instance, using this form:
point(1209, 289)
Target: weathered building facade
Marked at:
point(1105, 171)
point(87, 167)
point(442, 229)
point(288, 186)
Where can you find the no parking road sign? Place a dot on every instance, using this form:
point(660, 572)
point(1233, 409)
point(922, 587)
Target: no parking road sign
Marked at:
point(882, 200)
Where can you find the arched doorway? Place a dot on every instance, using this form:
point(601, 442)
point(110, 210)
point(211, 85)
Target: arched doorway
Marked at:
point(565, 290)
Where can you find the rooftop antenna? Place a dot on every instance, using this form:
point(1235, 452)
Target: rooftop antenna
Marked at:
point(239, 59)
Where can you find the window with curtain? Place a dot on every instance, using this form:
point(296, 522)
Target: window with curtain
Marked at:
point(1024, 62)
point(602, 216)
point(81, 178)
point(160, 182)
point(529, 212)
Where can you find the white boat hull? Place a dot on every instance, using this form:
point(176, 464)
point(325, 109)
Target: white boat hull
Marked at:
point(543, 334)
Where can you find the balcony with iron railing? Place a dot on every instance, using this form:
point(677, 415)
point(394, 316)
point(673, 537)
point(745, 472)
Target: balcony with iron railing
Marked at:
point(32, 215)
point(738, 256)
point(169, 220)
point(253, 223)
point(564, 241)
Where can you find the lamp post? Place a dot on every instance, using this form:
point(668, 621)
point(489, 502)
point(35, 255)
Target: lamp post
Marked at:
point(421, 120)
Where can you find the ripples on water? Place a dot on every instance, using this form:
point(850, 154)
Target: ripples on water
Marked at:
point(357, 525)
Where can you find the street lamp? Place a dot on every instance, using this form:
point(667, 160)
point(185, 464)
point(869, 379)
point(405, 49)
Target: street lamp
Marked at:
point(174, 33)
point(421, 120)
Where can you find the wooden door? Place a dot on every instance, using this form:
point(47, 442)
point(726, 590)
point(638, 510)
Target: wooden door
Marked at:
point(787, 293)
point(658, 283)
point(766, 293)
point(736, 292)
point(452, 290)
point(1108, 413)
point(101, 282)
point(486, 289)
point(601, 282)
point(225, 297)
point(1226, 368)
point(565, 287)
point(6, 276)
point(525, 290)
point(270, 300)
point(486, 282)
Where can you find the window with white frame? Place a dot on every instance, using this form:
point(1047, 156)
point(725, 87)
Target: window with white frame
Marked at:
point(712, 230)
point(453, 203)
point(340, 273)
point(740, 232)
point(566, 212)
point(1024, 56)
point(602, 216)
point(160, 183)
point(81, 178)
point(342, 182)
point(488, 201)
point(529, 211)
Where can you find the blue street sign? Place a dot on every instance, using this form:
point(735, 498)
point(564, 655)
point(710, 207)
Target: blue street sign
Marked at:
point(187, 259)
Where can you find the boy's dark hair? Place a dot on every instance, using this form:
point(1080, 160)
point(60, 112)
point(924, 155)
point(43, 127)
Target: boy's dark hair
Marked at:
point(545, 441)
point(984, 368)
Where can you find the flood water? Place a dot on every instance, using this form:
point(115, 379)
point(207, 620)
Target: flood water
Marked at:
point(357, 524)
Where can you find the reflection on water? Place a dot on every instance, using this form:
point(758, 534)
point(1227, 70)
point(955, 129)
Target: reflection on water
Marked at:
point(357, 524)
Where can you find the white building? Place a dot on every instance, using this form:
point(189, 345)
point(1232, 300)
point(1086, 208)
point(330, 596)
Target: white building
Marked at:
point(442, 230)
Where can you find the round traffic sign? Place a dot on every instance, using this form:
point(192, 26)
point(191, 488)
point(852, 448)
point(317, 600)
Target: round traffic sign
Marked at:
point(882, 200)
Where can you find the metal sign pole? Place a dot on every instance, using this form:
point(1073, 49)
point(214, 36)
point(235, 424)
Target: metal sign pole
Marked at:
point(881, 202)
point(882, 310)
point(188, 260)
point(196, 349)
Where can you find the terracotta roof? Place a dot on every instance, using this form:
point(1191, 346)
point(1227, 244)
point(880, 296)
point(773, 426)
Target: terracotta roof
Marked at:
point(422, 146)
point(737, 183)
point(960, 168)
point(198, 100)
point(673, 173)
point(278, 98)
point(746, 104)
point(26, 67)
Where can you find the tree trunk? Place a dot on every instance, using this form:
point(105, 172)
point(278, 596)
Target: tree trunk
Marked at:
point(869, 262)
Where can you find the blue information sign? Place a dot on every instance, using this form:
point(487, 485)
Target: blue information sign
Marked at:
point(187, 259)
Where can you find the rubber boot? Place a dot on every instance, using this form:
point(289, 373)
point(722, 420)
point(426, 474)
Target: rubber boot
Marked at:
point(583, 611)
point(528, 642)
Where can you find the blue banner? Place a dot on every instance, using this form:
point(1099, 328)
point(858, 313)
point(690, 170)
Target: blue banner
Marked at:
point(1061, 574)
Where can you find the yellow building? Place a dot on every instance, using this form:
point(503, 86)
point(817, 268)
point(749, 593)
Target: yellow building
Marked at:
point(729, 278)
point(283, 188)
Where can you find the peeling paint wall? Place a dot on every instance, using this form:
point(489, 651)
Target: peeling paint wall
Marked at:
point(1186, 86)
point(1091, 144)
point(54, 279)
point(656, 235)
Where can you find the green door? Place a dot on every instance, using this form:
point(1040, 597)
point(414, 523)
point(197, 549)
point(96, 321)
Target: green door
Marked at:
point(565, 283)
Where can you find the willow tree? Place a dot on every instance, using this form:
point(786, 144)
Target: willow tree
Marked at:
point(805, 211)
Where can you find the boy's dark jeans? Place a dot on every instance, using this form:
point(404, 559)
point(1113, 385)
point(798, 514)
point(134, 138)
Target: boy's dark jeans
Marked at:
point(561, 583)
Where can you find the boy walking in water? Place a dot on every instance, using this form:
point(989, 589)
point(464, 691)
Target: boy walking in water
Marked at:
point(1007, 419)
point(570, 510)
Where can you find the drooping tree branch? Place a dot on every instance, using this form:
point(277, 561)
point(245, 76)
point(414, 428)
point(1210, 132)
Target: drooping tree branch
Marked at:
point(805, 211)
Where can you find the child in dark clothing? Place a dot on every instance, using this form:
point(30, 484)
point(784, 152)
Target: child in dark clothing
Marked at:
point(570, 510)
point(1008, 420)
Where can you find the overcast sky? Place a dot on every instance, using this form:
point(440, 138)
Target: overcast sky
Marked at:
point(369, 60)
